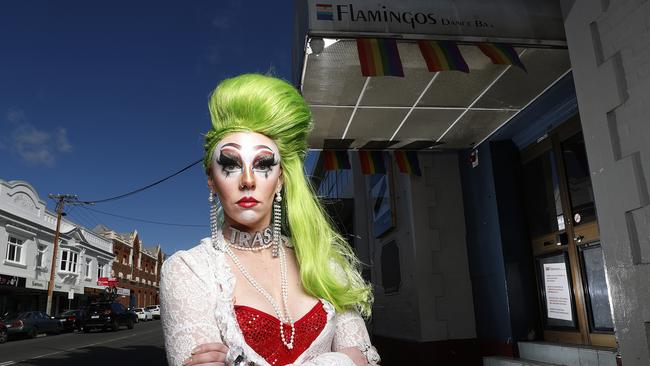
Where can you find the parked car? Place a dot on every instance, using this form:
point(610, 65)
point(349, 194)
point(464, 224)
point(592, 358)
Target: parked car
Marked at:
point(3, 332)
point(30, 323)
point(155, 310)
point(70, 320)
point(107, 315)
point(143, 314)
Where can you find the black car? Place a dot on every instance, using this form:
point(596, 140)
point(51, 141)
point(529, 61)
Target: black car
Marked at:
point(30, 323)
point(107, 315)
point(3, 332)
point(70, 320)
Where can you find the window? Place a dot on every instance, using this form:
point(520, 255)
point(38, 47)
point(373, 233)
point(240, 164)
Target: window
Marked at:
point(89, 265)
point(68, 261)
point(14, 249)
point(100, 271)
point(40, 256)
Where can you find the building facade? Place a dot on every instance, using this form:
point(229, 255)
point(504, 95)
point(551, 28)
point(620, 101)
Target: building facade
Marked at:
point(526, 235)
point(27, 232)
point(136, 268)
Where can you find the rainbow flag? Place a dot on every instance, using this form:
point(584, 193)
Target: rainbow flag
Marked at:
point(336, 159)
point(324, 12)
point(407, 162)
point(372, 162)
point(442, 55)
point(379, 57)
point(501, 54)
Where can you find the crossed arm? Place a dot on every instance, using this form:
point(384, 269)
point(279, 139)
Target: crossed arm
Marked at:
point(192, 336)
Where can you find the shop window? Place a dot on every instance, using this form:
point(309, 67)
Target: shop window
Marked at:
point(14, 250)
point(68, 261)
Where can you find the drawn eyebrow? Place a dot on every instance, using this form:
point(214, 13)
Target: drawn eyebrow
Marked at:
point(236, 146)
point(260, 147)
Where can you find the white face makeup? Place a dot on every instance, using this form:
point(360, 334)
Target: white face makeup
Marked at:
point(246, 174)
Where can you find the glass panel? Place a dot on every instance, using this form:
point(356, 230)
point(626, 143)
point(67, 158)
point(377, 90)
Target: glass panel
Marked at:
point(600, 315)
point(542, 195)
point(579, 181)
point(555, 286)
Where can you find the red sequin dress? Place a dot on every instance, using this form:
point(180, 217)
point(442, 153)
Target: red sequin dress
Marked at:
point(262, 332)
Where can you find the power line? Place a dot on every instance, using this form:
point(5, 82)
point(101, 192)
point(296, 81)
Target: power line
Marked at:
point(143, 188)
point(142, 220)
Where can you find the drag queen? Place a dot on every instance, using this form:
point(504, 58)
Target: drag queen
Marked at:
point(274, 284)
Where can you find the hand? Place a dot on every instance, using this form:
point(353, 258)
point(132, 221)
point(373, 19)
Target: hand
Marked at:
point(208, 353)
point(355, 355)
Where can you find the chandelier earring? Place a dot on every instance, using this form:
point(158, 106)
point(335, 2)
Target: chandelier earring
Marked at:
point(277, 224)
point(214, 219)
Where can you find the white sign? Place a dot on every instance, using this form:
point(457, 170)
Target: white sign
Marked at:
point(533, 20)
point(71, 294)
point(36, 284)
point(123, 291)
point(558, 296)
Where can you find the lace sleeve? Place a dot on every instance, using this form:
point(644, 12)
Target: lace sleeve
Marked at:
point(351, 332)
point(329, 359)
point(186, 308)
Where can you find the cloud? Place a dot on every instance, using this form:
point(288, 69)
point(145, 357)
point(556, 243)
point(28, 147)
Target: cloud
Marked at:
point(62, 142)
point(33, 145)
point(222, 23)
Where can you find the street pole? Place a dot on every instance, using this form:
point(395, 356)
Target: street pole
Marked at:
point(61, 200)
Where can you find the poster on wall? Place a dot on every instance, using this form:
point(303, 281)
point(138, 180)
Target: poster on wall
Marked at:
point(558, 294)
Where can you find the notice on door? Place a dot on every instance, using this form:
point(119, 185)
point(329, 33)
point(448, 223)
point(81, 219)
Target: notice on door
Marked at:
point(558, 296)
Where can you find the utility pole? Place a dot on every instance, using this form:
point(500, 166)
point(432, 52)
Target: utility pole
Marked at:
point(61, 199)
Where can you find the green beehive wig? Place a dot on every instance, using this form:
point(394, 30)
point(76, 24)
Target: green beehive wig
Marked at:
point(274, 108)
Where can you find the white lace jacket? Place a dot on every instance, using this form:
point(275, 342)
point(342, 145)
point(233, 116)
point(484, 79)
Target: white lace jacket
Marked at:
point(196, 307)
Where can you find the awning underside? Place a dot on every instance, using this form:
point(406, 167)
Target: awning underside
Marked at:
point(448, 110)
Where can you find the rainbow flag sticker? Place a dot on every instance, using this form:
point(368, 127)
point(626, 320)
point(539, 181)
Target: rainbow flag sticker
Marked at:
point(324, 12)
point(407, 162)
point(501, 54)
point(379, 57)
point(442, 56)
point(336, 159)
point(372, 162)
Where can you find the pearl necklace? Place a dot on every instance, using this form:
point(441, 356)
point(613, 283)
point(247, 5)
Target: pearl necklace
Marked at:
point(282, 315)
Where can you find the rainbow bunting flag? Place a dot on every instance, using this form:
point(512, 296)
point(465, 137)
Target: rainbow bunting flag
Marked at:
point(335, 159)
point(407, 162)
point(442, 55)
point(501, 54)
point(372, 162)
point(379, 57)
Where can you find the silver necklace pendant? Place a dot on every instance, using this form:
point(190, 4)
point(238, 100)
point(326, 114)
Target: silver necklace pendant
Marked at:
point(282, 313)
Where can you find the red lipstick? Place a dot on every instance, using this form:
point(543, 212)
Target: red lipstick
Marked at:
point(247, 202)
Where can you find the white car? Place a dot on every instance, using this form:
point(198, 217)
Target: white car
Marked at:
point(155, 310)
point(143, 314)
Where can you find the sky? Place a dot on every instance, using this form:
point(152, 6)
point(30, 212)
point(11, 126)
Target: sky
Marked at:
point(100, 98)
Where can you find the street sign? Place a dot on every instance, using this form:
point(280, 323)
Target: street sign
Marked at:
point(71, 294)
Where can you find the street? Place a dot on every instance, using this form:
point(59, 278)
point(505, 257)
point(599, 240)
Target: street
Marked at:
point(142, 345)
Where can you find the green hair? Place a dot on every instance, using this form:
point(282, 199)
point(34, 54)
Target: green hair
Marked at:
point(274, 108)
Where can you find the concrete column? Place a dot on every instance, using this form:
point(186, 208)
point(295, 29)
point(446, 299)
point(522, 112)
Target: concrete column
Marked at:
point(609, 45)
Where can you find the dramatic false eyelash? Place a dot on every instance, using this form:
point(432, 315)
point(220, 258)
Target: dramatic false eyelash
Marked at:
point(226, 161)
point(266, 164)
point(266, 161)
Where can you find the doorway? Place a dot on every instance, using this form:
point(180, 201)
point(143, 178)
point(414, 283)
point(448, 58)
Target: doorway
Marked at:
point(572, 289)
